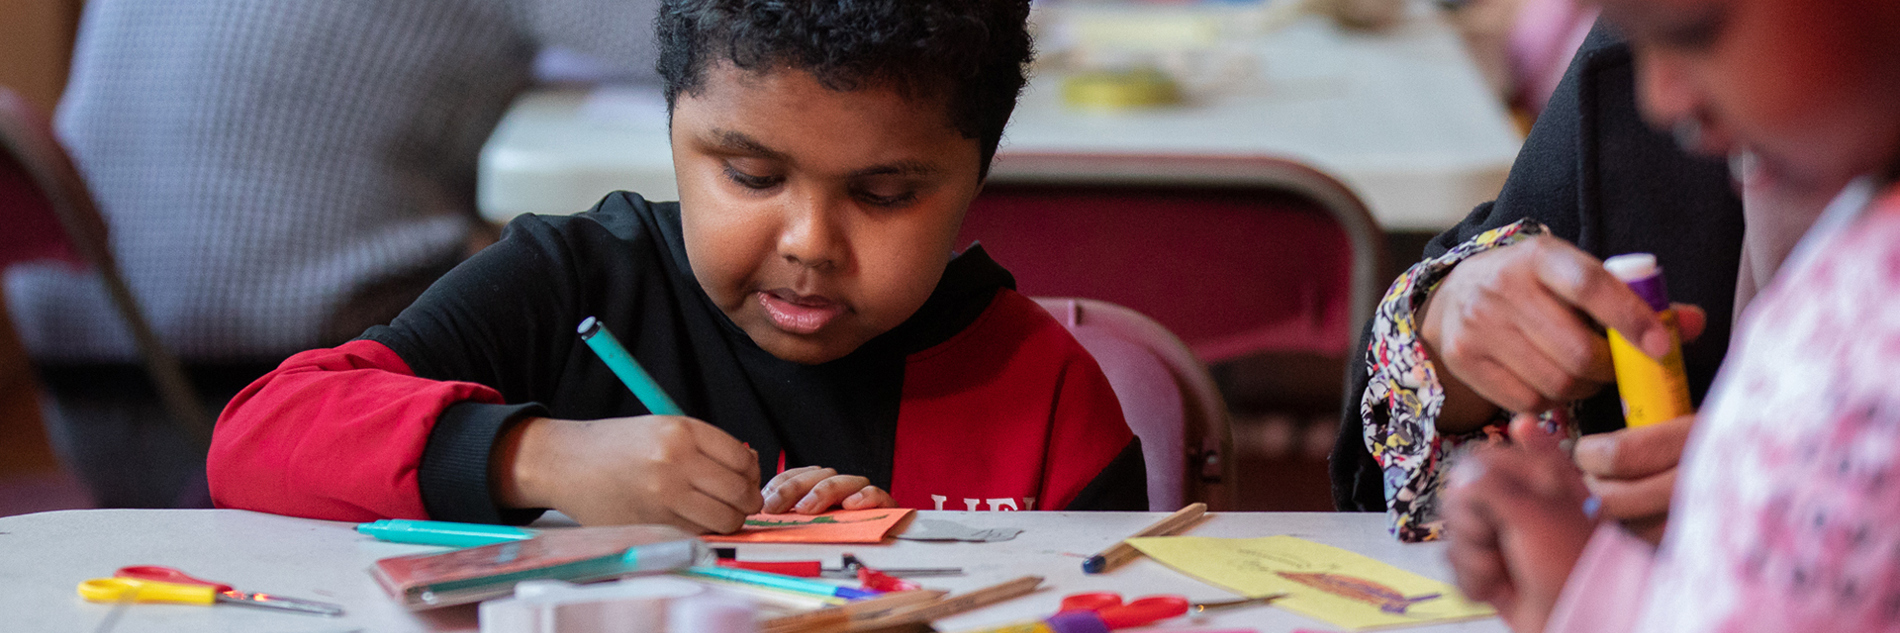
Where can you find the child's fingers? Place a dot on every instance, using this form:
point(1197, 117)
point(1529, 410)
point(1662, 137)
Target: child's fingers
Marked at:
point(869, 497)
point(1633, 499)
point(1691, 320)
point(1473, 549)
point(721, 485)
point(700, 512)
point(1503, 501)
point(790, 487)
point(829, 493)
point(1528, 432)
point(1635, 452)
point(779, 480)
point(726, 450)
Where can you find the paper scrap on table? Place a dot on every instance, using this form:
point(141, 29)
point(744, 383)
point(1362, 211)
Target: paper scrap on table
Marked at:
point(1324, 582)
point(839, 526)
point(940, 530)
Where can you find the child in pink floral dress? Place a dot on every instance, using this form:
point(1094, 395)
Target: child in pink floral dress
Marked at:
point(1786, 513)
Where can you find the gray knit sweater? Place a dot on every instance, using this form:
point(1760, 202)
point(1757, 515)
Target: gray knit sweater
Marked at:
point(273, 171)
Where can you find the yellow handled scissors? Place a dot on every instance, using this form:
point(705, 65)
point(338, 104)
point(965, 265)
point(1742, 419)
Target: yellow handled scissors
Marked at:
point(135, 590)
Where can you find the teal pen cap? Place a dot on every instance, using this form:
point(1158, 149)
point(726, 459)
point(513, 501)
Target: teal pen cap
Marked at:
point(443, 533)
point(624, 366)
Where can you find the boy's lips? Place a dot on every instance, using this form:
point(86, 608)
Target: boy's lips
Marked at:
point(799, 314)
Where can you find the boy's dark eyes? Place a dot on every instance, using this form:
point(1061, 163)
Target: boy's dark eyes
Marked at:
point(886, 199)
point(751, 181)
point(877, 194)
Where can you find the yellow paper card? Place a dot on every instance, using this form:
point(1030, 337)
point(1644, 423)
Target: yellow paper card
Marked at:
point(1323, 582)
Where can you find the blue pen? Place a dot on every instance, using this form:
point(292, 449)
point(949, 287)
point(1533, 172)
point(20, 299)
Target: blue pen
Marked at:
point(623, 365)
point(443, 532)
point(779, 581)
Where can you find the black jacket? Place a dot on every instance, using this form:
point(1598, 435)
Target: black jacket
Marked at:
point(1596, 175)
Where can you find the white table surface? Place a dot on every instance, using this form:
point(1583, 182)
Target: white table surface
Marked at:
point(1402, 116)
point(43, 556)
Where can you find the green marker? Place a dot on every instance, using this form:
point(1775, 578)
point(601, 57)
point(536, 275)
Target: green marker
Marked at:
point(623, 365)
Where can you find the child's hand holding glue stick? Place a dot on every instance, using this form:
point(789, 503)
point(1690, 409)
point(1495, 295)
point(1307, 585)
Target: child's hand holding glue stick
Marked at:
point(1633, 471)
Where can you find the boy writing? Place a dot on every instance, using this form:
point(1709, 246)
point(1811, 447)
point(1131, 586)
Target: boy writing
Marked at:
point(801, 302)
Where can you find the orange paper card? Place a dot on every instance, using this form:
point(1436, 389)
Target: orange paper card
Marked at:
point(841, 526)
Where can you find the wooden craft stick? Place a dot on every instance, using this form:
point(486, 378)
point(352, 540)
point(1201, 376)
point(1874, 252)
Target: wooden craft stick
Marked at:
point(838, 618)
point(953, 605)
point(1122, 552)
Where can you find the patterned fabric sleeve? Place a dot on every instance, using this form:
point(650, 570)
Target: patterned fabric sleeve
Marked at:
point(1403, 396)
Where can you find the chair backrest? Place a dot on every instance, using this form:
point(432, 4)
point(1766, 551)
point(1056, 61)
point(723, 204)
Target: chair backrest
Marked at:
point(1167, 396)
point(43, 201)
point(1236, 255)
point(50, 214)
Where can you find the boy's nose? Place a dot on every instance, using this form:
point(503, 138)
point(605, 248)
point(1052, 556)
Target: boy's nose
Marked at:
point(812, 236)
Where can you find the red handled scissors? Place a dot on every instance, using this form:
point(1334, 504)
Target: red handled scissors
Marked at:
point(1108, 606)
point(165, 584)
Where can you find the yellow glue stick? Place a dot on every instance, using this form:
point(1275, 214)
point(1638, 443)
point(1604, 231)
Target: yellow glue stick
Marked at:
point(1653, 390)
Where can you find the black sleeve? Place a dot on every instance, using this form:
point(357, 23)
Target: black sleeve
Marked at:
point(1543, 184)
point(454, 473)
point(505, 319)
point(1122, 485)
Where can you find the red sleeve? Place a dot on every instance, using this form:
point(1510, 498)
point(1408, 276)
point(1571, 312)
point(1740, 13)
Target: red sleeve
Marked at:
point(333, 434)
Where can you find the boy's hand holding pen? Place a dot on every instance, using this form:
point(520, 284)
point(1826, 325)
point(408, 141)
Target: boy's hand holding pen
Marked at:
point(673, 470)
point(665, 468)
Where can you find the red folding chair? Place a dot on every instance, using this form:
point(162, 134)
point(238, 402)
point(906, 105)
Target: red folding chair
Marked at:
point(1167, 396)
point(1260, 265)
point(50, 215)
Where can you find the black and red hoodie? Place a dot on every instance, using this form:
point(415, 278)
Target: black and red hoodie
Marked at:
point(980, 401)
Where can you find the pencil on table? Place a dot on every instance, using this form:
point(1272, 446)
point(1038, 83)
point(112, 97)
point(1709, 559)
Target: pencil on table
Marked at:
point(1122, 552)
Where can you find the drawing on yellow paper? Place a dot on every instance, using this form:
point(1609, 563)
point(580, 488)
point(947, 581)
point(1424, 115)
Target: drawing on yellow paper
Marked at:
point(1324, 582)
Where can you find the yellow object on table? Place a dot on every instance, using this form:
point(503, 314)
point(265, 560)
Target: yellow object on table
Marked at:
point(1322, 581)
point(133, 590)
point(1120, 89)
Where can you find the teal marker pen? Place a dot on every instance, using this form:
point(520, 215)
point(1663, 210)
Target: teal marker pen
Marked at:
point(779, 581)
point(623, 365)
point(443, 532)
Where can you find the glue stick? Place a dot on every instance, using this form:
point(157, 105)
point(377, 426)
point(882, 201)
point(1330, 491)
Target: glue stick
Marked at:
point(1653, 390)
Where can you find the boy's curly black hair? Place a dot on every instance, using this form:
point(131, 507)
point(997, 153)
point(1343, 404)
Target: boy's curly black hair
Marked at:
point(972, 54)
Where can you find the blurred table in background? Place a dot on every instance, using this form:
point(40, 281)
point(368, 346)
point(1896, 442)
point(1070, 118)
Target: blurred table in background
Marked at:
point(1400, 114)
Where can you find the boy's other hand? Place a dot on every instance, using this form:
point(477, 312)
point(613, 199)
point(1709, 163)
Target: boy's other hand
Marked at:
point(813, 489)
point(1634, 470)
point(1514, 516)
point(649, 469)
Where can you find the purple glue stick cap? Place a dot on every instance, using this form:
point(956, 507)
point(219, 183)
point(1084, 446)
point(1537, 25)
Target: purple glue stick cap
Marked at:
point(1643, 275)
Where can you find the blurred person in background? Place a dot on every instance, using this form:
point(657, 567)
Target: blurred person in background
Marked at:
point(1786, 514)
point(277, 175)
